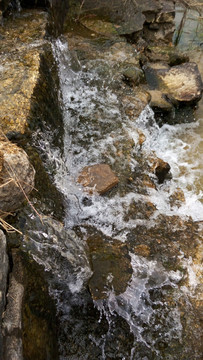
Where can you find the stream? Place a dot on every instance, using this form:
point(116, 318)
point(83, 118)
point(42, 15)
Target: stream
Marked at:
point(158, 313)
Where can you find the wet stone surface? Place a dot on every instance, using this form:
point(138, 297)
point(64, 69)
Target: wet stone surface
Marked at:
point(110, 265)
point(99, 178)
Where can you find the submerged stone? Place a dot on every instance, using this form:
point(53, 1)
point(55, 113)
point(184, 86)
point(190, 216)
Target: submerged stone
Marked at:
point(111, 266)
point(99, 178)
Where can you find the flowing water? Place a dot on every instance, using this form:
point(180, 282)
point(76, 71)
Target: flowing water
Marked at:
point(156, 317)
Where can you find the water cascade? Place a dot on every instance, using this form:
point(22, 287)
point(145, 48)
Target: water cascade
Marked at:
point(147, 232)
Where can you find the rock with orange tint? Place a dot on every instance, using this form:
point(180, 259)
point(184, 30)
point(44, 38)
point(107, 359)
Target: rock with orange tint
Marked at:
point(99, 178)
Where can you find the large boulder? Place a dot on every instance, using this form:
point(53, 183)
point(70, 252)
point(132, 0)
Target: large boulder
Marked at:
point(28, 74)
point(181, 84)
point(123, 17)
point(22, 44)
point(16, 176)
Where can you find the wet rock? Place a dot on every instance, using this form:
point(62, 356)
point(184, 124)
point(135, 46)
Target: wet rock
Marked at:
point(142, 250)
point(134, 104)
point(3, 282)
point(167, 13)
point(127, 19)
point(142, 137)
point(152, 74)
point(168, 54)
point(161, 169)
point(177, 58)
point(133, 75)
point(99, 178)
point(16, 176)
point(22, 46)
point(183, 83)
point(39, 320)
point(148, 182)
point(60, 249)
point(139, 210)
point(177, 198)
point(111, 266)
point(12, 319)
point(158, 101)
point(100, 26)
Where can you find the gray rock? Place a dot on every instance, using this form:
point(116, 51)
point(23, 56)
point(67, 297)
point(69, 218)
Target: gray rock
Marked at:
point(3, 280)
point(12, 319)
point(17, 176)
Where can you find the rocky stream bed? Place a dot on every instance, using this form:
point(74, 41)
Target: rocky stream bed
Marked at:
point(101, 179)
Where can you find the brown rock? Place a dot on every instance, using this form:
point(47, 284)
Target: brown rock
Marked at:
point(98, 177)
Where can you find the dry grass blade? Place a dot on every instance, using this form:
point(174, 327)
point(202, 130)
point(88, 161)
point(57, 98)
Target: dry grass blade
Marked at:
point(17, 182)
point(8, 227)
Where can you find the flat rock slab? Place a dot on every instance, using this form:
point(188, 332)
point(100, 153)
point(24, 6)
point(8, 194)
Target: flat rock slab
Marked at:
point(99, 178)
point(111, 266)
point(183, 82)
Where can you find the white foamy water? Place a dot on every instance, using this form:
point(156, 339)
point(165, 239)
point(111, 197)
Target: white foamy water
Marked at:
point(93, 122)
point(143, 302)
